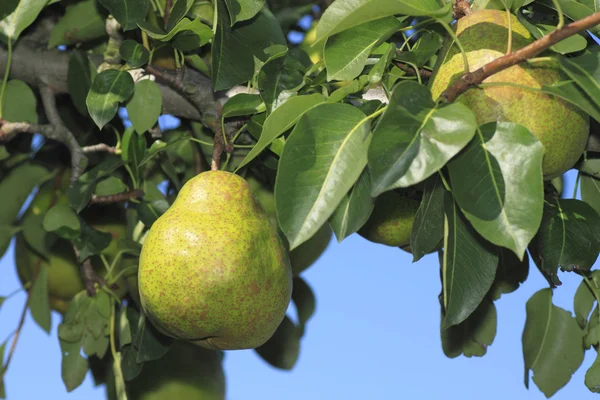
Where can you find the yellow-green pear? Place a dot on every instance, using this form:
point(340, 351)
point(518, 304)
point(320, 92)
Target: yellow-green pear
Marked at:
point(561, 127)
point(186, 372)
point(64, 276)
point(213, 270)
point(308, 252)
point(392, 220)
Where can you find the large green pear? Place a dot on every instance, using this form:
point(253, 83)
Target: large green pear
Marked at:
point(308, 252)
point(561, 127)
point(186, 372)
point(64, 277)
point(213, 270)
point(392, 219)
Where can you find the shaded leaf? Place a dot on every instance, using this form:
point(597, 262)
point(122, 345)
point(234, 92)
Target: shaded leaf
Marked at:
point(346, 53)
point(22, 104)
point(79, 79)
point(585, 71)
point(469, 266)
point(127, 12)
point(74, 368)
point(590, 191)
point(109, 186)
point(134, 53)
point(235, 48)
point(583, 302)
point(472, 336)
point(282, 349)
point(242, 10)
point(571, 92)
point(39, 304)
point(80, 23)
point(23, 15)
point(414, 138)
point(242, 104)
point(323, 157)
point(551, 343)
point(145, 106)
point(428, 227)
point(354, 209)
point(569, 44)
point(305, 302)
point(62, 220)
point(19, 182)
point(592, 376)
point(280, 120)
point(110, 87)
point(511, 273)
point(502, 198)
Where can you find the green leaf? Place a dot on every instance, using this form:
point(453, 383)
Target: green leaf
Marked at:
point(569, 236)
point(323, 157)
point(179, 10)
point(4, 154)
point(22, 104)
point(6, 234)
point(145, 106)
point(110, 87)
point(575, 9)
point(346, 53)
point(134, 53)
point(426, 47)
point(242, 10)
point(19, 182)
point(133, 147)
point(514, 5)
point(282, 119)
point(592, 376)
point(282, 349)
point(414, 138)
point(510, 274)
point(428, 227)
point(79, 79)
point(109, 186)
point(592, 330)
point(357, 85)
point(469, 266)
point(472, 336)
point(39, 304)
point(280, 78)
point(305, 302)
point(81, 22)
point(354, 209)
point(124, 328)
point(127, 12)
point(82, 190)
point(235, 48)
point(571, 92)
point(159, 146)
point(570, 44)
point(583, 302)
point(503, 197)
point(200, 33)
point(378, 70)
point(62, 220)
point(91, 241)
point(74, 368)
point(242, 104)
point(345, 14)
point(551, 343)
point(590, 191)
point(7, 7)
point(585, 71)
point(23, 15)
point(591, 167)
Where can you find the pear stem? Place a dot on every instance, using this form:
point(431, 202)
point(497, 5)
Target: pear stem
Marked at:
point(476, 77)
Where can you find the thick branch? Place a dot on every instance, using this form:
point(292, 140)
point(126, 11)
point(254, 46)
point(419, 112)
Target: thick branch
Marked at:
point(50, 68)
point(521, 55)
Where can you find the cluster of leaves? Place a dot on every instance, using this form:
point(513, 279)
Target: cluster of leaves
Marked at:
point(330, 132)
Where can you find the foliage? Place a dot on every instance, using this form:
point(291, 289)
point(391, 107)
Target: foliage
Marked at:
point(328, 125)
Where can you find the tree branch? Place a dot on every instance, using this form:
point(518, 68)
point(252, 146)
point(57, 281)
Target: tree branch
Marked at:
point(461, 8)
point(117, 198)
point(519, 56)
point(100, 147)
point(425, 73)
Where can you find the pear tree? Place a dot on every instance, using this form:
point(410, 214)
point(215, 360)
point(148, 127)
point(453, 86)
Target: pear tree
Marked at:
point(437, 127)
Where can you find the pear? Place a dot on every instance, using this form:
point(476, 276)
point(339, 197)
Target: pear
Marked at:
point(308, 252)
point(64, 277)
point(212, 270)
point(186, 372)
point(561, 127)
point(392, 220)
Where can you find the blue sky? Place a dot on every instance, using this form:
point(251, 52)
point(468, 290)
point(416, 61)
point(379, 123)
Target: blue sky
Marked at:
point(375, 335)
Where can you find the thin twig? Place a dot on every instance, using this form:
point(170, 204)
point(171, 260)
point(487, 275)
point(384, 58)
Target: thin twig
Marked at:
point(118, 197)
point(168, 5)
point(424, 73)
point(90, 277)
point(476, 77)
point(13, 345)
point(98, 148)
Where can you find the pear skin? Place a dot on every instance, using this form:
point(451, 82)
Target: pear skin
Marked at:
point(213, 271)
point(562, 128)
point(392, 220)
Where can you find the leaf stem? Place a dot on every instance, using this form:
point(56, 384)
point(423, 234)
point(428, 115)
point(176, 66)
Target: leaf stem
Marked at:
point(5, 79)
